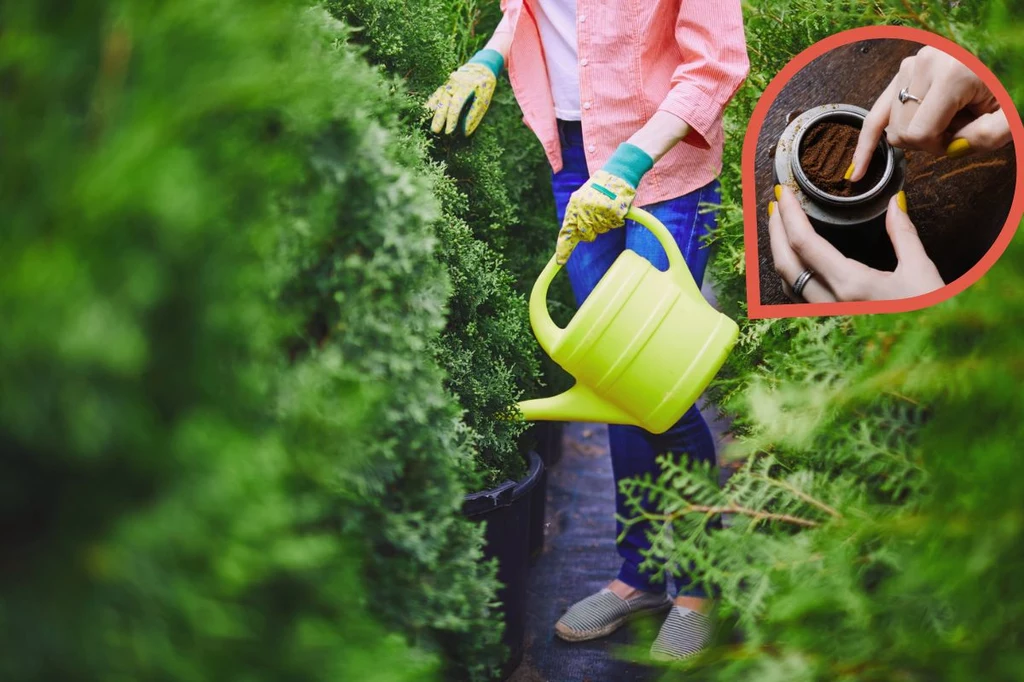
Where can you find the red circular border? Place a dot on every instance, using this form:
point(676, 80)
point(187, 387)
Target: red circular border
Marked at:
point(755, 309)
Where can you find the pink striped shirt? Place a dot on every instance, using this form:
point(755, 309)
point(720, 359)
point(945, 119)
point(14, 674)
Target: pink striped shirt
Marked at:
point(636, 57)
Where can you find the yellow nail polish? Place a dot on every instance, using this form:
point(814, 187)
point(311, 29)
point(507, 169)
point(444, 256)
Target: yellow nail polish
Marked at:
point(778, 192)
point(771, 208)
point(849, 172)
point(958, 148)
point(901, 200)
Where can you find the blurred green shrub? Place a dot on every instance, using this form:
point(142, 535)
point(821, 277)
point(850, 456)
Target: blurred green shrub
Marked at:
point(228, 451)
point(876, 526)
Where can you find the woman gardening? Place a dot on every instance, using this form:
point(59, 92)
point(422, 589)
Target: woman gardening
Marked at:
point(634, 91)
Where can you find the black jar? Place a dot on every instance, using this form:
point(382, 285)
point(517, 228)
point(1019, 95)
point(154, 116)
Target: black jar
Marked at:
point(831, 211)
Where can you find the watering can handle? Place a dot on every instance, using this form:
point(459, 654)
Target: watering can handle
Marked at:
point(677, 267)
point(545, 329)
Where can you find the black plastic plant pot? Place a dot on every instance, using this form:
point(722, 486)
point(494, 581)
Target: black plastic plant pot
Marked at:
point(549, 446)
point(506, 511)
point(549, 442)
point(538, 508)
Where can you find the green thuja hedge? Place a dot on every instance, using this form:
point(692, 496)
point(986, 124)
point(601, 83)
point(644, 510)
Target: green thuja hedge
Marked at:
point(500, 189)
point(368, 265)
point(875, 530)
point(227, 449)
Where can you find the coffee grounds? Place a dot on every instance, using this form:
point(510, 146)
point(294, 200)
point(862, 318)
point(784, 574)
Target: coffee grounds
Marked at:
point(826, 152)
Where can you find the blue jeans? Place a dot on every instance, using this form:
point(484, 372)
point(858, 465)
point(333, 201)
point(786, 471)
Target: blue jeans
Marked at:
point(633, 450)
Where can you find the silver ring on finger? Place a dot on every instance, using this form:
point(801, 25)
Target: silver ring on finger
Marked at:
point(905, 95)
point(801, 282)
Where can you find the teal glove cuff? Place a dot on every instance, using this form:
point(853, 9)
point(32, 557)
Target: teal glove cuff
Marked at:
point(629, 162)
point(492, 59)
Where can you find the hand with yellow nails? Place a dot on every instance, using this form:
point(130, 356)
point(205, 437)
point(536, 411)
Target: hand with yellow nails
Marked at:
point(464, 99)
point(796, 247)
point(935, 104)
point(602, 203)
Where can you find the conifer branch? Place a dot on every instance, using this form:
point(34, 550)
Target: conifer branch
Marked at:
point(754, 514)
point(798, 493)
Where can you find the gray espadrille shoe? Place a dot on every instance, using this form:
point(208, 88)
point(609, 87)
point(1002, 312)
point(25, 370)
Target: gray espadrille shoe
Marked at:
point(684, 633)
point(603, 613)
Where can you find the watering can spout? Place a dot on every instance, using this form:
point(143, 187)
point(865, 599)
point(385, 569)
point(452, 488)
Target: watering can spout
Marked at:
point(578, 404)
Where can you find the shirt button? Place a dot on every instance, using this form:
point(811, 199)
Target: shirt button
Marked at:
point(583, 17)
point(584, 61)
point(592, 148)
point(586, 105)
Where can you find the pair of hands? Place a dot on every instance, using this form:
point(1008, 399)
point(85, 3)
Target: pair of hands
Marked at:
point(957, 115)
point(796, 247)
point(597, 207)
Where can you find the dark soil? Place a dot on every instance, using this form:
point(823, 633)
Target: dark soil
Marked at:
point(826, 152)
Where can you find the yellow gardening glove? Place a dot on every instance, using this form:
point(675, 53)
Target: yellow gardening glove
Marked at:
point(602, 203)
point(473, 84)
point(596, 207)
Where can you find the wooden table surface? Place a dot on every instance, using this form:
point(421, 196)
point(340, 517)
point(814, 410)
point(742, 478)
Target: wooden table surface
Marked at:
point(958, 206)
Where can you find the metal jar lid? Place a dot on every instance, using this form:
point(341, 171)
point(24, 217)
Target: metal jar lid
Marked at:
point(831, 210)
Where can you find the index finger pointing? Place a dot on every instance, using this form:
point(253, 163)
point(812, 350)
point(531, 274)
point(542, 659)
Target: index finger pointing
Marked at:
point(872, 129)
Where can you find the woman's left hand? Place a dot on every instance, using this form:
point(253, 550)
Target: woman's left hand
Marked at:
point(796, 247)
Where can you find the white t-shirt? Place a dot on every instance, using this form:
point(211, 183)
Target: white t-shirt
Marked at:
point(556, 20)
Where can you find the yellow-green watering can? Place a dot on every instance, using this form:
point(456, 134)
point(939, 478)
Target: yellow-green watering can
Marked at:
point(642, 347)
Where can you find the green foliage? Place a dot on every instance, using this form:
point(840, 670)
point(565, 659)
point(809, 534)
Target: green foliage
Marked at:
point(228, 451)
point(874, 531)
point(500, 182)
point(362, 263)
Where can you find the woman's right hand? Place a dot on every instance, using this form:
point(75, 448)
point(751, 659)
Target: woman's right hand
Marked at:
point(957, 113)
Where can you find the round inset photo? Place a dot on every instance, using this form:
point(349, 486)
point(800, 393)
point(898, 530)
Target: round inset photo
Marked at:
point(885, 170)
